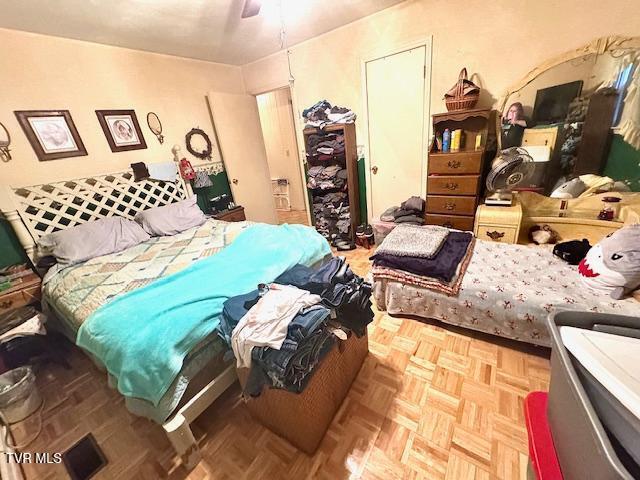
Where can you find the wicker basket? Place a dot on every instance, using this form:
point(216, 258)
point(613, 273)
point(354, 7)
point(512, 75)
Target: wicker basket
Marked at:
point(460, 101)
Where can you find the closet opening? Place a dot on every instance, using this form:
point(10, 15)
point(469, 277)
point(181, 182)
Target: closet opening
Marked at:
point(278, 129)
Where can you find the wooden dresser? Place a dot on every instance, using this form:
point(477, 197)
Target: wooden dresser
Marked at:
point(454, 182)
point(235, 214)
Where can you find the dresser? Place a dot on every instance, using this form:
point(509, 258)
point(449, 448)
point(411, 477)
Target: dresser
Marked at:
point(235, 214)
point(454, 181)
point(23, 291)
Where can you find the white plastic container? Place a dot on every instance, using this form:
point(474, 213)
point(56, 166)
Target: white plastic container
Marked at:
point(19, 395)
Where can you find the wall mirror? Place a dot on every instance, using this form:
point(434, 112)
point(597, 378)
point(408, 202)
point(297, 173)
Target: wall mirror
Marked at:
point(155, 126)
point(578, 116)
point(5, 141)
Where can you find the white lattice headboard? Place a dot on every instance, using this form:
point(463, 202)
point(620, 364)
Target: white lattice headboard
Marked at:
point(46, 208)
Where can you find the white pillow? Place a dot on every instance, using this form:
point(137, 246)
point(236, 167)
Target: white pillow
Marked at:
point(171, 219)
point(92, 239)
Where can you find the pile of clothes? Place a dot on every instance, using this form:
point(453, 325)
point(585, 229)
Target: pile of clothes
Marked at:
point(325, 146)
point(410, 211)
point(322, 114)
point(430, 257)
point(332, 216)
point(327, 178)
point(283, 330)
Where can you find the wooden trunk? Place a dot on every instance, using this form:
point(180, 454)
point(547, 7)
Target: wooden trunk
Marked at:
point(304, 418)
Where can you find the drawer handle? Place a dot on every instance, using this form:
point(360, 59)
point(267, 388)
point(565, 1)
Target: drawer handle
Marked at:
point(6, 304)
point(447, 224)
point(495, 235)
point(450, 205)
point(451, 186)
point(454, 164)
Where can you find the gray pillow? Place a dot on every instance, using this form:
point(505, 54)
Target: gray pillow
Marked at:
point(92, 239)
point(171, 219)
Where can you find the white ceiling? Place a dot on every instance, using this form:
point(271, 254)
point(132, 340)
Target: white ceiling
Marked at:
point(204, 29)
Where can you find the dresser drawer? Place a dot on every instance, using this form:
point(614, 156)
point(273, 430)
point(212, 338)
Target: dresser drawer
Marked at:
point(19, 298)
point(458, 222)
point(451, 204)
point(497, 234)
point(453, 184)
point(455, 163)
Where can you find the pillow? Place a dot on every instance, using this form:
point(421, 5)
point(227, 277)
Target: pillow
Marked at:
point(171, 219)
point(92, 239)
point(613, 265)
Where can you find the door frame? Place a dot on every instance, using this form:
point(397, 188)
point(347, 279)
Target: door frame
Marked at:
point(426, 42)
point(299, 127)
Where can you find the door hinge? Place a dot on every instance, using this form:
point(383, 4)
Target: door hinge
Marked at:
point(424, 71)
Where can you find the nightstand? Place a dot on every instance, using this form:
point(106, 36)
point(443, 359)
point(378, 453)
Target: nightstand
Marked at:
point(498, 224)
point(24, 290)
point(235, 214)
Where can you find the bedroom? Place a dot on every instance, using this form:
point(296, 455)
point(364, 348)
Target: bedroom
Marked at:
point(114, 116)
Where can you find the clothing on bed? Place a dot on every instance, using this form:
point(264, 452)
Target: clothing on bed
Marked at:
point(442, 266)
point(414, 241)
point(266, 323)
point(142, 337)
point(448, 288)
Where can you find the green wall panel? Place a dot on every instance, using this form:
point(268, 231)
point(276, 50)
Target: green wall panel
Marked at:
point(11, 251)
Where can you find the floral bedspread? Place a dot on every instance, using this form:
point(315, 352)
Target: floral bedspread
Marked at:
point(508, 290)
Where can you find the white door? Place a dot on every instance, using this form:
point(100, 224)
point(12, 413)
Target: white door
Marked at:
point(396, 124)
point(237, 123)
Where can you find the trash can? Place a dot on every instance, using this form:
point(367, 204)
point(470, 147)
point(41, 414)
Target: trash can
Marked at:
point(19, 396)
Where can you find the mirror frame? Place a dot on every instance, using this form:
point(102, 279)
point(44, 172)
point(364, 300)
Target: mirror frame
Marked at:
point(158, 135)
point(599, 46)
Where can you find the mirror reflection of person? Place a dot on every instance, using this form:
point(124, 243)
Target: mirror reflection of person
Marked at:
point(513, 124)
point(123, 130)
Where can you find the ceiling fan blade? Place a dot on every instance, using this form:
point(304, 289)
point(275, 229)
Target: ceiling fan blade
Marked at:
point(251, 8)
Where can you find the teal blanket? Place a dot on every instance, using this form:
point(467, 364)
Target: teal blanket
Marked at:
point(143, 336)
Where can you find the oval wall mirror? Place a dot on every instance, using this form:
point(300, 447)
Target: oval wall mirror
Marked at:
point(5, 141)
point(155, 125)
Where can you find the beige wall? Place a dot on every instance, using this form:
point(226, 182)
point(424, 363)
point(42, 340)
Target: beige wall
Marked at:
point(280, 142)
point(500, 40)
point(42, 73)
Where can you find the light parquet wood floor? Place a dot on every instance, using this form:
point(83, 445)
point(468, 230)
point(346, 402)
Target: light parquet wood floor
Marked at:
point(430, 402)
point(292, 216)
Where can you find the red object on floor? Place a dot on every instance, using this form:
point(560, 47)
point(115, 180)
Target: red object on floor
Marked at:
point(541, 449)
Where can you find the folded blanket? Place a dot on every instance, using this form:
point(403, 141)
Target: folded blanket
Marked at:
point(442, 267)
point(143, 336)
point(451, 288)
point(414, 241)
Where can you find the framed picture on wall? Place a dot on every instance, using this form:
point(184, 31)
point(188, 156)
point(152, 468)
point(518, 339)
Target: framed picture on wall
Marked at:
point(51, 133)
point(122, 130)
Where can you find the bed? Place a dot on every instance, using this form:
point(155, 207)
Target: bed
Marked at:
point(508, 290)
point(73, 294)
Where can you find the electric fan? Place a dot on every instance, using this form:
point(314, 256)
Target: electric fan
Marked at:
point(510, 169)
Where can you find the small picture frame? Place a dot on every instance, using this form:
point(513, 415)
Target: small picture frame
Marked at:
point(122, 130)
point(51, 133)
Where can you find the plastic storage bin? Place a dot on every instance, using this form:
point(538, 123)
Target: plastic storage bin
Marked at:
point(584, 448)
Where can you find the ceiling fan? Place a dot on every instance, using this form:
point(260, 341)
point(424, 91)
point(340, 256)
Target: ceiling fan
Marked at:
point(251, 8)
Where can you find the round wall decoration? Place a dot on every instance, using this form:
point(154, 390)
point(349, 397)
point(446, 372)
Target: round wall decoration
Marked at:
point(198, 144)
